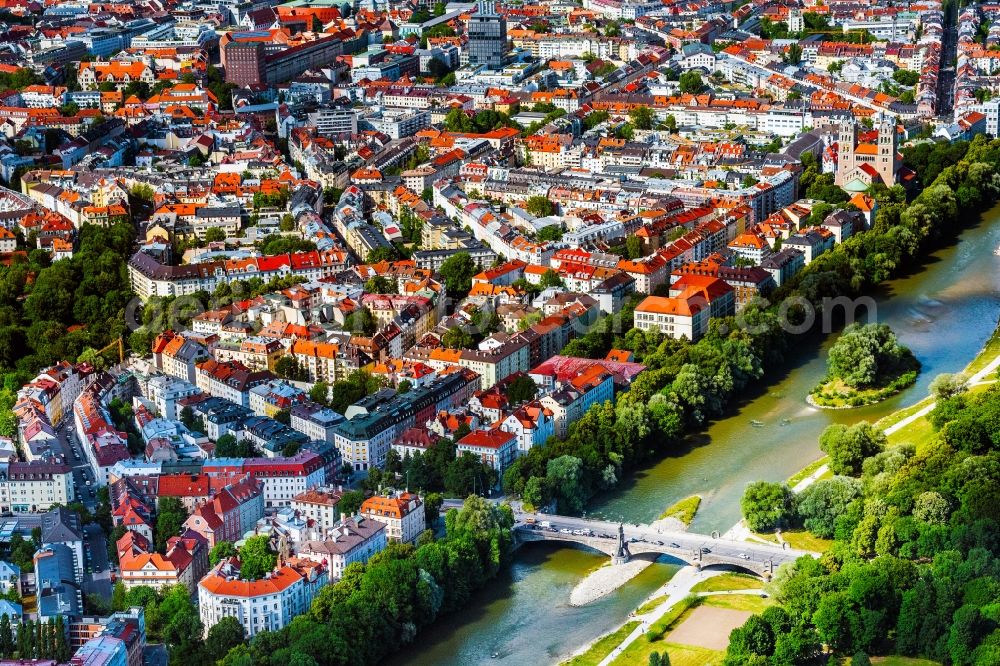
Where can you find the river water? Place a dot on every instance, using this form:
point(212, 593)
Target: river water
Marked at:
point(944, 313)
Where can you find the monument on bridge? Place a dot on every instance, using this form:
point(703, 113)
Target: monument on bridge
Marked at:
point(621, 555)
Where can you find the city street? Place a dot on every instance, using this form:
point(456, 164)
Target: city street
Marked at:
point(97, 574)
point(77, 460)
point(96, 568)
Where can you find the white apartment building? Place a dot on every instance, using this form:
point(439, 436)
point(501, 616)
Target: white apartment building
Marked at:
point(402, 514)
point(320, 506)
point(33, 487)
point(267, 604)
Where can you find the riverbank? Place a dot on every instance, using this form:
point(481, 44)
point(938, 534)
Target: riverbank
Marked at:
point(690, 616)
point(985, 364)
point(680, 513)
point(607, 579)
point(527, 618)
point(835, 394)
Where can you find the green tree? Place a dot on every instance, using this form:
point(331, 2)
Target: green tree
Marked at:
point(457, 338)
point(642, 117)
point(550, 278)
point(539, 206)
point(766, 505)
point(256, 557)
point(116, 534)
point(350, 502)
point(565, 473)
point(457, 271)
point(947, 385)
point(361, 322)
point(793, 54)
point(691, 83)
point(848, 447)
point(521, 389)
point(220, 551)
point(215, 235)
point(169, 518)
point(380, 254)
point(320, 392)
point(867, 355)
point(6, 638)
point(380, 285)
point(288, 367)
point(551, 232)
point(633, 247)
point(821, 503)
point(224, 635)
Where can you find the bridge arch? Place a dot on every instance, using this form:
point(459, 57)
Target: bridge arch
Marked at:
point(737, 568)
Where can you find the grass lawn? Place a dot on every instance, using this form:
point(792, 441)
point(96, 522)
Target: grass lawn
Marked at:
point(684, 510)
point(656, 602)
point(801, 540)
point(680, 655)
point(808, 470)
point(990, 351)
point(899, 415)
point(729, 581)
point(893, 660)
point(918, 432)
point(981, 388)
point(744, 602)
point(603, 647)
point(835, 393)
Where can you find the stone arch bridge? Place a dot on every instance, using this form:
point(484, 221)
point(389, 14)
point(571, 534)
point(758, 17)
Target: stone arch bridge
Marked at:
point(623, 541)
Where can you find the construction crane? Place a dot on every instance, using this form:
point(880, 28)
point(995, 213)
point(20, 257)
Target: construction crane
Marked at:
point(120, 343)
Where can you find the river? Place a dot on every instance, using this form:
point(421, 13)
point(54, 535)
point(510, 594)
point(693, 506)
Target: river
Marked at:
point(944, 313)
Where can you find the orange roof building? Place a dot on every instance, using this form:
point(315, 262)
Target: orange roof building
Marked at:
point(264, 604)
point(402, 514)
point(685, 316)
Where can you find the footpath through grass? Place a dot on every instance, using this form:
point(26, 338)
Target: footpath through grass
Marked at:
point(603, 647)
point(989, 352)
point(640, 649)
point(807, 471)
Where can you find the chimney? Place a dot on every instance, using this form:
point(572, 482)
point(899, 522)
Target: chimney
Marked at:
point(343, 518)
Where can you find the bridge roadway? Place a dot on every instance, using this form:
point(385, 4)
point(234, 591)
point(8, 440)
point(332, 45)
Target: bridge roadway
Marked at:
point(695, 549)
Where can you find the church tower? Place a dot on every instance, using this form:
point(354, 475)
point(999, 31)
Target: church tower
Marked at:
point(887, 165)
point(847, 140)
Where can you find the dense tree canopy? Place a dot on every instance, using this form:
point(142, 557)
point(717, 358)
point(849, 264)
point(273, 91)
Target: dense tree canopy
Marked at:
point(913, 569)
point(868, 355)
point(378, 607)
point(457, 271)
point(848, 447)
point(766, 505)
point(256, 557)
